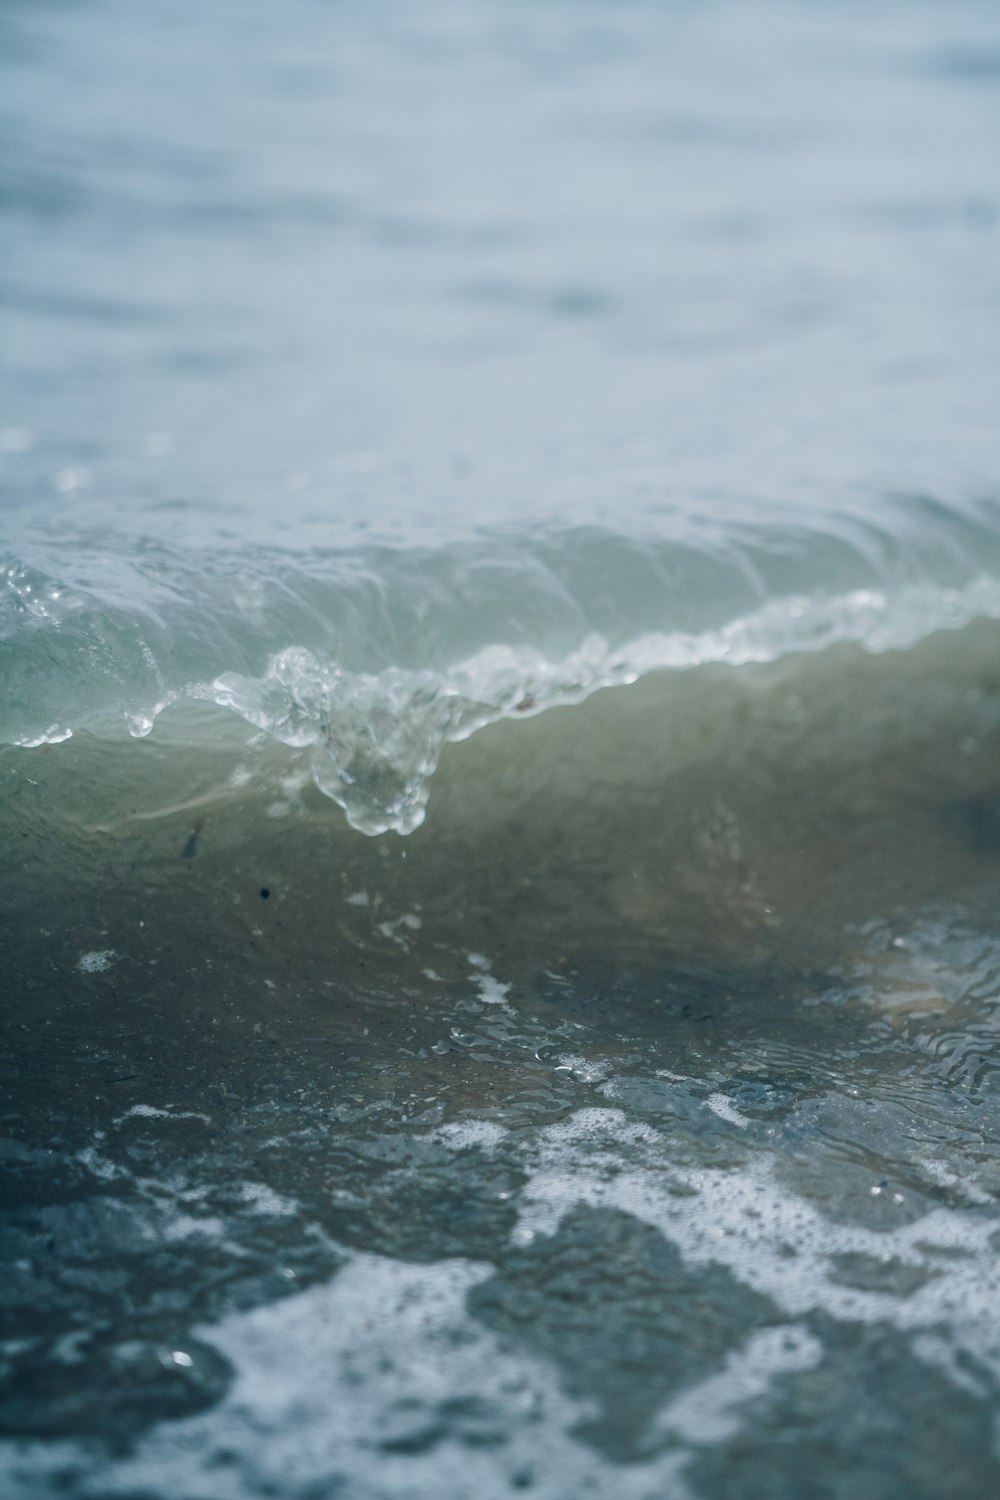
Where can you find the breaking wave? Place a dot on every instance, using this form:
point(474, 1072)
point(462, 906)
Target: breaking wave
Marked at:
point(377, 657)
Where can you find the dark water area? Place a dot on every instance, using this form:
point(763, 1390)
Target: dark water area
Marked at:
point(499, 751)
point(636, 1135)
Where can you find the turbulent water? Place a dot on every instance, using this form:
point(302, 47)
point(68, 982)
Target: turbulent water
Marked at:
point(500, 750)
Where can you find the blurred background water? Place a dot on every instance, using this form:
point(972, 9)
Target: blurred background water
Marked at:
point(745, 247)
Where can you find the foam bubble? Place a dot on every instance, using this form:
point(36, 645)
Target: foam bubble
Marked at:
point(150, 1112)
point(465, 1135)
point(726, 1110)
point(97, 961)
point(492, 992)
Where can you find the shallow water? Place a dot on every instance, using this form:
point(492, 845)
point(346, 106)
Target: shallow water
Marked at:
point(636, 1136)
point(559, 441)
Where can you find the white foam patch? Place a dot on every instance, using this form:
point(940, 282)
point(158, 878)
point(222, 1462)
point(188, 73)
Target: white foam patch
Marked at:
point(726, 1110)
point(394, 929)
point(711, 1411)
point(188, 1227)
point(771, 1239)
point(492, 992)
point(944, 1176)
point(464, 1135)
point(99, 1165)
point(381, 1379)
point(264, 1200)
point(585, 1069)
point(150, 1112)
point(97, 961)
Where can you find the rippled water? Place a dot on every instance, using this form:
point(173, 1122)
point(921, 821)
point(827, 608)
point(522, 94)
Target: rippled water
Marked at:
point(560, 441)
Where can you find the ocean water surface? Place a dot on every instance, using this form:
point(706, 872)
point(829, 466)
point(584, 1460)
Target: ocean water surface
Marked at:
point(500, 750)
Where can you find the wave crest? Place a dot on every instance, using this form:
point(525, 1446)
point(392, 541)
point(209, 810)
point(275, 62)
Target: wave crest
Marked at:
point(376, 739)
